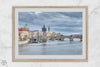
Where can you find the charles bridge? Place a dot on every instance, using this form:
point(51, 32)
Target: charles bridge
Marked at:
point(71, 37)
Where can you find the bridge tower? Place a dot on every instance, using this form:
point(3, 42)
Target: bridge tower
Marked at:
point(44, 34)
point(44, 30)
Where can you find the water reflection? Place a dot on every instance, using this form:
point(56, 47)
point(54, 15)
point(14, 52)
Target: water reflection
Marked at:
point(65, 47)
point(43, 44)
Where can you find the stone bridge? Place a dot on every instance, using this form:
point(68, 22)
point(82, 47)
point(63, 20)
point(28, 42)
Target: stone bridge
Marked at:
point(70, 37)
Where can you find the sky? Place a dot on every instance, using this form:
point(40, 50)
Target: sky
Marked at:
point(66, 23)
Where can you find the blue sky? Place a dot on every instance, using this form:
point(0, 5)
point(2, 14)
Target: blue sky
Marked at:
point(66, 23)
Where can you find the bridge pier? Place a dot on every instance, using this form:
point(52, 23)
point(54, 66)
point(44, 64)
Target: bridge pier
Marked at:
point(71, 38)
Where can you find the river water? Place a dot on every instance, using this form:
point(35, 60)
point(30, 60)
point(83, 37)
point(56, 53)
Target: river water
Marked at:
point(65, 47)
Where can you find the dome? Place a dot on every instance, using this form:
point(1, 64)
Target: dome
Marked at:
point(26, 26)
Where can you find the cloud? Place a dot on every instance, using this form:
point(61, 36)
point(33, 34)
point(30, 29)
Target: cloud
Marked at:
point(64, 22)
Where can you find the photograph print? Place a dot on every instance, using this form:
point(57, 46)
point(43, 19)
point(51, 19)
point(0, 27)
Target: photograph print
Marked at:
point(50, 34)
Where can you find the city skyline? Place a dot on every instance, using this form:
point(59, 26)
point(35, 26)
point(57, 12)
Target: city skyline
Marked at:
point(66, 23)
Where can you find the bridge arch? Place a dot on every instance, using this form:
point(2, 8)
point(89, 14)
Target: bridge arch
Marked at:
point(66, 39)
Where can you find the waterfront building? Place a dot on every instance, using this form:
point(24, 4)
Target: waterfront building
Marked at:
point(52, 37)
point(40, 36)
point(40, 33)
point(58, 36)
point(37, 36)
point(52, 34)
point(25, 33)
point(30, 34)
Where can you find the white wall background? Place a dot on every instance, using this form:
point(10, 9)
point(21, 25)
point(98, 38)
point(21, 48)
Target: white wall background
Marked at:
point(6, 32)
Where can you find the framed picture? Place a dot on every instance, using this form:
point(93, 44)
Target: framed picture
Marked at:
point(50, 33)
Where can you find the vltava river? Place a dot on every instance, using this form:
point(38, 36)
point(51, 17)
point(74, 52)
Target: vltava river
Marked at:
point(65, 47)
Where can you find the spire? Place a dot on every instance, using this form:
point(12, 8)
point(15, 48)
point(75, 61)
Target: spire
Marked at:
point(43, 26)
point(49, 28)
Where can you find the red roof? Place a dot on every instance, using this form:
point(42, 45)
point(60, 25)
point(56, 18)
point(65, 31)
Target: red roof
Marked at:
point(23, 29)
point(19, 32)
